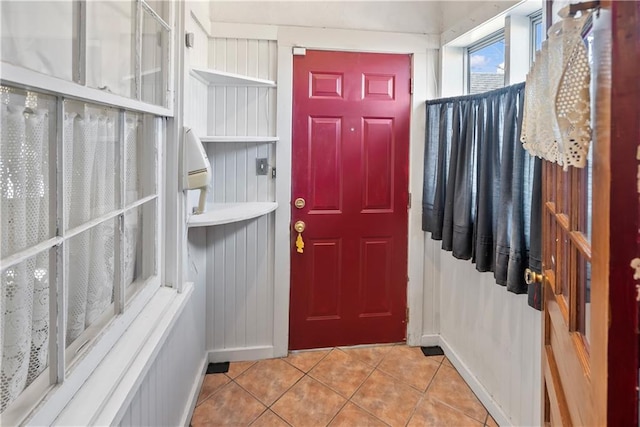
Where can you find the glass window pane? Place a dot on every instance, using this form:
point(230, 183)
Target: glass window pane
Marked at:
point(155, 42)
point(537, 35)
point(140, 246)
point(111, 46)
point(38, 35)
point(90, 136)
point(486, 68)
point(90, 266)
point(28, 121)
point(140, 157)
point(24, 325)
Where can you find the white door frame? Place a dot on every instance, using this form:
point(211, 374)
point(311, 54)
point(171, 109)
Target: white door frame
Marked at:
point(423, 50)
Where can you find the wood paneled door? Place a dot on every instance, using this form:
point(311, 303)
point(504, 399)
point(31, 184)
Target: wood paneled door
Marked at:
point(590, 229)
point(351, 114)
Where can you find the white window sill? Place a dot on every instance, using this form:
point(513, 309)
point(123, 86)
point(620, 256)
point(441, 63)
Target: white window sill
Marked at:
point(106, 394)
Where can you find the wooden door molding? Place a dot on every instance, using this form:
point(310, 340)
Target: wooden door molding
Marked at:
point(624, 238)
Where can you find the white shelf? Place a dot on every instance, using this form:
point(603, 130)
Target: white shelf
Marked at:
point(221, 78)
point(239, 139)
point(225, 213)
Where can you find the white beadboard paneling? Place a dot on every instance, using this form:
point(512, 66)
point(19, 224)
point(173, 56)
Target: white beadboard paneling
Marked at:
point(195, 115)
point(240, 285)
point(198, 55)
point(493, 333)
point(167, 394)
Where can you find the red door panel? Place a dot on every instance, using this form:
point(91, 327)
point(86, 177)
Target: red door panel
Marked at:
point(350, 165)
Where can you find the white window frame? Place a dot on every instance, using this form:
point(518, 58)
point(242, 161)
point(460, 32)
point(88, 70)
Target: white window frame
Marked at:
point(60, 380)
point(535, 18)
point(480, 44)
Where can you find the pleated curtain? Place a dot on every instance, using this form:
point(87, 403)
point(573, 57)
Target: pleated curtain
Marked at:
point(481, 193)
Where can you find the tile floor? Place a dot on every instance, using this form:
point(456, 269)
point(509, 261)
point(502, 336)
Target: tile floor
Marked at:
point(391, 385)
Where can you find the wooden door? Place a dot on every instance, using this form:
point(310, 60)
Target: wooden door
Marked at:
point(350, 149)
point(590, 223)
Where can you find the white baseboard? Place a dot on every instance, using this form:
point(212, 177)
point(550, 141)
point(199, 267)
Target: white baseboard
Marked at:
point(430, 340)
point(241, 354)
point(481, 392)
point(194, 393)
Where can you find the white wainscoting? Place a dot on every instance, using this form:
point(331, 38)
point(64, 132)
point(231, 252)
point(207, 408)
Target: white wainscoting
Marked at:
point(491, 336)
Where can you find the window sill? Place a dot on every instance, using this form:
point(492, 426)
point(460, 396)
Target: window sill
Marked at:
point(105, 396)
point(106, 380)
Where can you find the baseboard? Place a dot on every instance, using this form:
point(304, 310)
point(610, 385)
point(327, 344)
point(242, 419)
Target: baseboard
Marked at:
point(482, 393)
point(241, 354)
point(194, 393)
point(430, 340)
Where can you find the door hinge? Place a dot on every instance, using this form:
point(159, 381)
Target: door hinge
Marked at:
point(411, 86)
point(406, 319)
point(409, 201)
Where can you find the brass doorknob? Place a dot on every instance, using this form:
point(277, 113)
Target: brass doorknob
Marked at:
point(531, 277)
point(299, 226)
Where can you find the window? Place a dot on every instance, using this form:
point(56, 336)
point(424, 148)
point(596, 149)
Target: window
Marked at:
point(485, 63)
point(537, 33)
point(123, 42)
point(79, 193)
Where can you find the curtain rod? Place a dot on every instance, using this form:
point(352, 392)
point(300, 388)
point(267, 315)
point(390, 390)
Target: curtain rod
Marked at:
point(499, 91)
point(574, 8)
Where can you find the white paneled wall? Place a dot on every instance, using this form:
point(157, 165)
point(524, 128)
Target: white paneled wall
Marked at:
point(239, 257)
point(491, 334)
point(165, 395)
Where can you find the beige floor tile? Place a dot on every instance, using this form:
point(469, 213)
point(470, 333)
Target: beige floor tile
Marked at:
point(387, 398)
point(410, 365)
point(269, 379)
point(308, 403)
point(449, 387)
point(369, 355)
point(341, 372)
point(306, 360)
point(491, 422)
point(447, 362)
point(210, 385)
point(352, 416)
point(237, 368)
point(430, 412)
point(269, 419)
point(232, 406)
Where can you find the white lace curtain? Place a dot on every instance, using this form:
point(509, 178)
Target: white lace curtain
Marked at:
point(90, 186)
point(556, 124)
point(24, 217)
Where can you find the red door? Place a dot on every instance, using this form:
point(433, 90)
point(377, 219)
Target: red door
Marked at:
point(350, 166)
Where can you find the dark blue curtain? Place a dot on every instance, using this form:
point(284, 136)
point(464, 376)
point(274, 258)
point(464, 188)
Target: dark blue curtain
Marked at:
point(482, 191)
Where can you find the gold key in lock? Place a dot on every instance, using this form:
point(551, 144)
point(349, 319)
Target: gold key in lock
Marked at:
point(299, 227)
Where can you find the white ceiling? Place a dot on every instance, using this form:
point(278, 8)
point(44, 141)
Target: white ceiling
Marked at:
point(421, 17)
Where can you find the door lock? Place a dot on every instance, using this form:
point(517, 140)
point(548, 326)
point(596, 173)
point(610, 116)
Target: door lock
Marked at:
point(299, 203)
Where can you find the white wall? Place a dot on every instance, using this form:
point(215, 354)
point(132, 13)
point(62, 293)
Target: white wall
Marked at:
point(492, 336)
point(165, 396)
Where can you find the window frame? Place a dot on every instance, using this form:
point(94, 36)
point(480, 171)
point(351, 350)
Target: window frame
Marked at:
point(479, 45)
point(535, 19)
point(62, 377)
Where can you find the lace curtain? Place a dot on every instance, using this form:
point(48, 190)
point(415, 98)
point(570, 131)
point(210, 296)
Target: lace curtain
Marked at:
point(480, 186)
point(556, 125)
point(90, 188)
point(24, 217)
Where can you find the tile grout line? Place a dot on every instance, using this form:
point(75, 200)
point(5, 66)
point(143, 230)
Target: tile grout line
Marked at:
point(458, 409)
point(424, 393)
